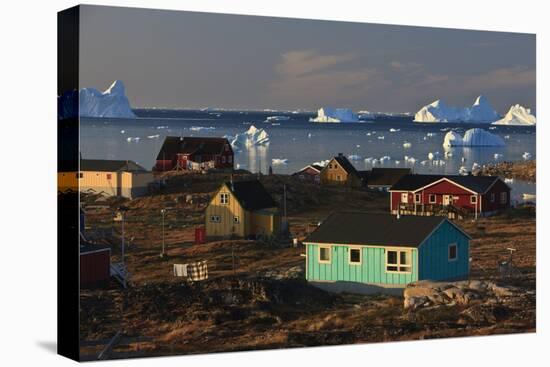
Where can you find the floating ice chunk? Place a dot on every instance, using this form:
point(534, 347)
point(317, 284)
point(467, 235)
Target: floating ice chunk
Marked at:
point(122, 131)
point(506, 137)
point(430, 156)
point(508, 180)
point(335, 115)
point(135, 139)
point(321, 163)
point(385, 158)
point(463, 171)
point(527, 156)
point(368, 160)
point(397, 163)
point(110, 103)
point(448, 154)
point(279, 161)
point(473, 138)
point(354, 157)
point(162, 127)
point(407, 144)
point(381, 137)
point(392, 130)
point(199, 128)
point(369, 134)
point(424, 163)
point(252, 137)
point(309, 135)
point(375, 161)
point(463, 159)
point(517, 115)
point(498, 156)
point(475, 167)
point(430, 134)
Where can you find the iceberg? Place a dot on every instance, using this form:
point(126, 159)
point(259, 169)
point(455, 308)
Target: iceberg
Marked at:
point(279, 161)
point(438, 111)
point(334, 115)
point(250, 138)
point(517, 115)
point(276, 118)
point(472, 138)
point(111, 103)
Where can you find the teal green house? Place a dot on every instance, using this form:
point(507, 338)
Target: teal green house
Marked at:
point(367, 252)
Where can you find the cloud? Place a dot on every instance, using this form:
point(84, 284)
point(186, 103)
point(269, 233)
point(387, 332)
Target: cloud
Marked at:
point(321, 79)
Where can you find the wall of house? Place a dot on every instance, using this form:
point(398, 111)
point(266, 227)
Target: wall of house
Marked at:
point(308, 175)
point(95, 268)
point(460, 196)
point(91, 180)
point(433, 255)
point(329, 176)
point(489, 205)
point(265, 222)
point(372, 269)
point(227, 226)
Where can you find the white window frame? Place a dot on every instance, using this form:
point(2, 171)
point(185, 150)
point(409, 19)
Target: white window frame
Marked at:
point(473, 199)
point(321, 261)
point(224, 198)
point(430, 198)
point(455, 245)
point(417, 198)
point(504, 197)
point(360, 256)
point(215, 218)
point(398, 265)
point(405, 197)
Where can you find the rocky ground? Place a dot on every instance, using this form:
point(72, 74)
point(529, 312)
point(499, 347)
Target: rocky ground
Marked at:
point(256, 296)
point(526, 171)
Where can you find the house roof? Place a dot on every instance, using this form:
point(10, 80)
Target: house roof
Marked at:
point(384, 176)
point(346, 165)
point(190, 145)
point(359, 228)
point(315, 167)
point(252, 195)
point(412, 182)
point(105, 165)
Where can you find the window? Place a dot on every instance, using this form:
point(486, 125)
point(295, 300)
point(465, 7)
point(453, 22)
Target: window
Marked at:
point(80, 175)
point(324, 255)
point(330, 166)
point(404, 197)
point(109, 176)
point(503, 197)
point(230, 159)
point(224, 198)
point(355, 256)
point(453, 252)
point(338, 178)
point(492, 197)
point(215, 218)
point(416, 198)
point(236, 220)
point(335, 166)
point(398, 261)
point(432, 199)
point(473, 199)
point(223, 159)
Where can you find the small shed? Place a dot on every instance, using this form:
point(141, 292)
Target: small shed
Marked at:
point(367, 252)
point(95, 265)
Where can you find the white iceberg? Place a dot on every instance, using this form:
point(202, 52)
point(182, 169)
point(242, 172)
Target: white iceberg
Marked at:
point(335, 115)
point(517, 115)
point(473, 138)
point(111, 103)
point(277, 118)
point(199, 128)
point(354, 157)
point(498, 156)
point(463, 171)
point(252, 137)
point(438, 111)
point(321, 163)
point(407, 145)
point(527, 156)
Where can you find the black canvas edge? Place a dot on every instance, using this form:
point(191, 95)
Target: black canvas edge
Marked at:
point(68, 25)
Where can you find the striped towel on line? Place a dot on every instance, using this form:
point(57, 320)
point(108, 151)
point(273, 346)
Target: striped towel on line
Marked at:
point(194, 271)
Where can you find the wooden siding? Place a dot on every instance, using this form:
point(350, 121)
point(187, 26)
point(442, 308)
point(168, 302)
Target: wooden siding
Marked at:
point(433, 254)
point(371, 270)
point(127, 184)
point(329, 176)
point(227, 226)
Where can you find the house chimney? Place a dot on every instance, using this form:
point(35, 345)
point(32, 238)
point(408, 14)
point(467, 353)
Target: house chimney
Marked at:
point(340, 154)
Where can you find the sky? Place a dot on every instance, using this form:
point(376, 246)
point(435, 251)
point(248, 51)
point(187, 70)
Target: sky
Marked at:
point(178, 59)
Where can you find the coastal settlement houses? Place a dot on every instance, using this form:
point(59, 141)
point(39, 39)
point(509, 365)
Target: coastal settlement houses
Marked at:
point(367, 252)
point(110, 177)
point(194, 153)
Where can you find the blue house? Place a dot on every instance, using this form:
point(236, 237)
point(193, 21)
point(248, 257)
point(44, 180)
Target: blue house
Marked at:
point(366, 252)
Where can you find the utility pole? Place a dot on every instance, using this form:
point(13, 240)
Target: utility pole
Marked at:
point(162, 211)
point(123, 211)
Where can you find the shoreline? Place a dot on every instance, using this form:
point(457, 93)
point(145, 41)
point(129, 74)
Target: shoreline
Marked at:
point(526, 171)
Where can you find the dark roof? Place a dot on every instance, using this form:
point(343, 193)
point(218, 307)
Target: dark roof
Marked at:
point(189, 145)
point(479, 184)
point(384, 176)
point(105, 165)
point(314, 166)
point(346, 165)
point(359, 228)
point(86, 247)
point(317, 167)
point(252, 195)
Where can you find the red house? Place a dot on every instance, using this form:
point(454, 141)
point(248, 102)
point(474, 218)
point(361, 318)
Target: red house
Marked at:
point(95, 265)
point(194, 153)
point(455, 196)
point(309, 173)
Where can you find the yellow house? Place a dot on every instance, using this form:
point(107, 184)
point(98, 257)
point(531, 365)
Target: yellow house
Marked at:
point(242, 209)
point(111, 177)
point(340, 171)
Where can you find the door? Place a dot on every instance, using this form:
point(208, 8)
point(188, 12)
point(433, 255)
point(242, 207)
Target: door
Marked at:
point(447, 199)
